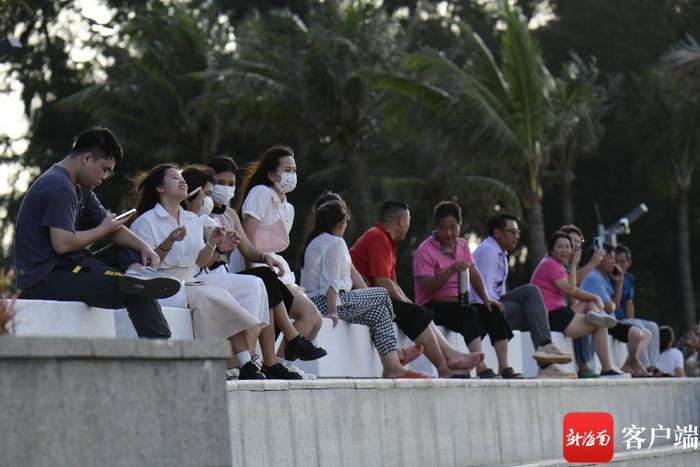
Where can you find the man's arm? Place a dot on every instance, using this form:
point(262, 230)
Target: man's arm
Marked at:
point(128, 239)
point(64, 241)
point(395, 292)
point(629, 309)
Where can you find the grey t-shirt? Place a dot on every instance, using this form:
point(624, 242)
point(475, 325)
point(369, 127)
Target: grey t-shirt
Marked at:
point(51, 201)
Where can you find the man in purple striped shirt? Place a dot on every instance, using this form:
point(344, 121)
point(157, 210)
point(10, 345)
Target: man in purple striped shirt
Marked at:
point(524, 307)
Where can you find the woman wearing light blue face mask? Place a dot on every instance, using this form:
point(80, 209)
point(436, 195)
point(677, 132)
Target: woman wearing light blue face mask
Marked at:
point(267, 219)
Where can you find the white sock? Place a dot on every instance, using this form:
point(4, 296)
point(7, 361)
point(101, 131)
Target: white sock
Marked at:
point(243, 358)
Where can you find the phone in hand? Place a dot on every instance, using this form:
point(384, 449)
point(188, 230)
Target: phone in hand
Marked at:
point(125, 214)
point(598, 242)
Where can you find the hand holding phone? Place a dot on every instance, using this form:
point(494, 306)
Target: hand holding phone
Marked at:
point(126, 214)
point(598, 243)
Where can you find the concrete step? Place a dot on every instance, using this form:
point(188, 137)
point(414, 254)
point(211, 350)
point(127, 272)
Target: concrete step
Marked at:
point(444, 422)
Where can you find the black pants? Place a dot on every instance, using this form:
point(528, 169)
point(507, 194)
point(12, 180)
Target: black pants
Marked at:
point(84, 277)
point(412, 319)
point(471, 321)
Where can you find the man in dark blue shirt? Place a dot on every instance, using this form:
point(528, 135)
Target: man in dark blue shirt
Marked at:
point(60, 217)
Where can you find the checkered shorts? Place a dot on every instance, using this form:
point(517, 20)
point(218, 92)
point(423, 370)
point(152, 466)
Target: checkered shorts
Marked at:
point(370, 306)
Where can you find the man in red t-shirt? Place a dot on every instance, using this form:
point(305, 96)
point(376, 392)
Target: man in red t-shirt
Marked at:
point(374, 257)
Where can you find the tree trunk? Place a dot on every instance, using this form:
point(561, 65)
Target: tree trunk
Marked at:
point(686, 280)
point(361, 200)
point(535, 227)
point(567, 204)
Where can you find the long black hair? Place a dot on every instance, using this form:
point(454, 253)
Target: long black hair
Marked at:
point(146, 187)
point(326, 218)
point(256, 172)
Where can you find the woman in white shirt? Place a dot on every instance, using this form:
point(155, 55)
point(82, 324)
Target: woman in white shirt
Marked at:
point(326, 276)
point(267, 220)
point(178, 238)
point(203, 178)
point(670, 361)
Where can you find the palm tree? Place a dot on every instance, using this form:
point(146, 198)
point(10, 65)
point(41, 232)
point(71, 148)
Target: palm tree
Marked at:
point(578, 91)
point(670, 109)
point(302, 77)
point(501, 112)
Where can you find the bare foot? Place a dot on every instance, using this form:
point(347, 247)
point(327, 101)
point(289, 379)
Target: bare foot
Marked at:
point(464, 361)
point(408, 354)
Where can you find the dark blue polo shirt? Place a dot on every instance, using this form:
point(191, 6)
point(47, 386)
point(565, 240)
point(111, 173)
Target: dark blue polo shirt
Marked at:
point(51, 201)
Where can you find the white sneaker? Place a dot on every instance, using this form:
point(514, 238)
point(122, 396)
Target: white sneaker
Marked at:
point(149, 282)
point(554, 371)
point(600, 319)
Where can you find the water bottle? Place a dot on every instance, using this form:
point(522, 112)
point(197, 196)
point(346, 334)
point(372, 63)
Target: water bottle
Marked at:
point(463, 287)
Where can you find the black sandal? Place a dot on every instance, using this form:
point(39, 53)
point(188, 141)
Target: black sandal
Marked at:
point(487, 374)
point(509, 373)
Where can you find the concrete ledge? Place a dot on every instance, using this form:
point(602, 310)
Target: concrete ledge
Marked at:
point(443, 422)
point(75, 347)
point(665, 456)
point(112, 403)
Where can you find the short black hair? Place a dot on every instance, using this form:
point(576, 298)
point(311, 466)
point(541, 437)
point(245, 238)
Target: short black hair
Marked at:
point(392, 208)
point(100, 142)
point(223, 163)
point(446, 209)
point(552, 240)
point(499, 222)
point(609, 249)
point(620, 248)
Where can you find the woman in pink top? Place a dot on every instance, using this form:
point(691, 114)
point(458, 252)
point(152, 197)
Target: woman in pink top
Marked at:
point(436, 266)
point(584, 318)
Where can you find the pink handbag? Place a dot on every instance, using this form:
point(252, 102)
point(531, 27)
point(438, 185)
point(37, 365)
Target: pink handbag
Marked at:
point(272, 238)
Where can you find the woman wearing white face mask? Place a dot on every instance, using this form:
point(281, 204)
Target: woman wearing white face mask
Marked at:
point(250, 282)
point(267, 219)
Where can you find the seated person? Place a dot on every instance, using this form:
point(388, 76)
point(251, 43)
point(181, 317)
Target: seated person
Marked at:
point(583, 348)
point(247, 283)
point(307, 318)
point(670, 361)
point(374, 258)
point(327, 278)
point(60, 217)
point(524, 307)
point(582, 318)
point(178, 237)
point(626, 311)
point(597, 283)
point(437, 262)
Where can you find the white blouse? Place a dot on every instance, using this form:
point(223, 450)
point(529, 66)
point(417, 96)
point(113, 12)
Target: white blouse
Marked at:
point(264, 204)
point(326, 264)
point(155, 225)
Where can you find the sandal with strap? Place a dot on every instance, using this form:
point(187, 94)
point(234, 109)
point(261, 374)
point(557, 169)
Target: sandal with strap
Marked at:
point(509, 373)
point(487, 374)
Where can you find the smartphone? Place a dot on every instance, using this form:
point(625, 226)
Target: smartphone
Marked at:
point(125, 214)
point(598, 243)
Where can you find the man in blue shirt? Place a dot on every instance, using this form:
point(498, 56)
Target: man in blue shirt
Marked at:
point(625, 312)
point(60, 217)
point(524, 307)
point(598, 282)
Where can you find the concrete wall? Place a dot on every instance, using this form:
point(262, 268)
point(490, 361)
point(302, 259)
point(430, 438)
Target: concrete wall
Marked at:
point(105, 402)
point(437, 422)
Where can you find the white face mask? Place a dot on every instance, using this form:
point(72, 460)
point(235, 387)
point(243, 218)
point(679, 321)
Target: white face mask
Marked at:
point(222, 194)
point(288, 181)
point(207, 206)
